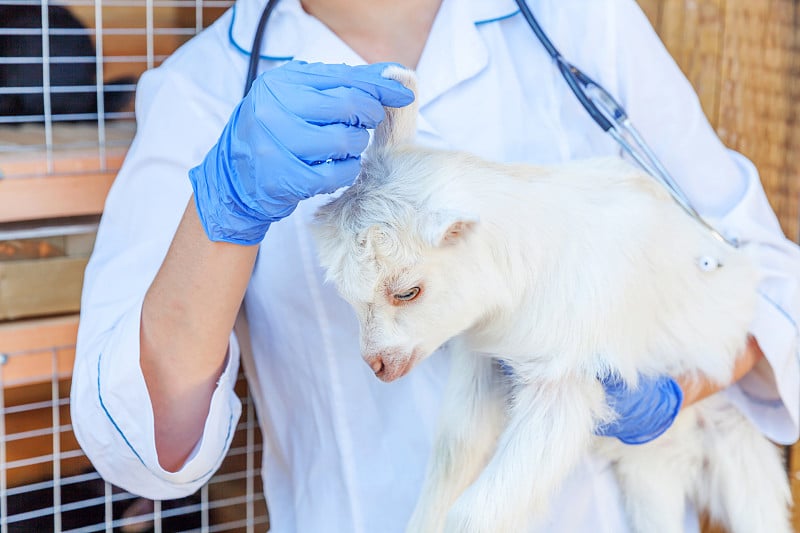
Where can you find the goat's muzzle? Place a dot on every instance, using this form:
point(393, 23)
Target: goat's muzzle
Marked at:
point(389, 367)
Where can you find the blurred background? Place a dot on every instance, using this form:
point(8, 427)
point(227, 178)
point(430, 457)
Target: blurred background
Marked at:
point(66, 120)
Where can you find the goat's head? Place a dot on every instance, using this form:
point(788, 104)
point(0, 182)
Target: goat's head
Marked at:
point(402, 261)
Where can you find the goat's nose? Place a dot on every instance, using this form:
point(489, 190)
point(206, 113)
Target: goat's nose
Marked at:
point(376, 363)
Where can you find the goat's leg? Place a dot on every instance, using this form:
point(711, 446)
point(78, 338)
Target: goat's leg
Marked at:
point(747, 485)
point(658, 477)
point(473, 415)
point(653, 478)
point(550, 428)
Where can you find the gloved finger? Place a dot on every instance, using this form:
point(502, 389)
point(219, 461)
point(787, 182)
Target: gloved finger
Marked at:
point(324, 177)
point(643, 413)
point(308, 142)
point(327, 76)
point(336, 174)
point(345, 105)
point(331, 141)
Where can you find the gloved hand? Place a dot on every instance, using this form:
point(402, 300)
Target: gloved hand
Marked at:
point(299, 132)
point(644, 413)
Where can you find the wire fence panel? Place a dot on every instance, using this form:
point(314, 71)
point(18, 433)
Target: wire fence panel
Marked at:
point(68, 73)
point(48, 484)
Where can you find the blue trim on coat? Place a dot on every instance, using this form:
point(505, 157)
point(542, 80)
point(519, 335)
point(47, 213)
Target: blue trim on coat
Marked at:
point(228, 436)
point(496, 19)
point(244, 51)
point(781, 311)
point(788, 317)
point(111, 418)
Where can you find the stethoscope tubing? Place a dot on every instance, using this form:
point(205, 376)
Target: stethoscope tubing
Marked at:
point(613, 119)
point(255, 50)
point(595, 99)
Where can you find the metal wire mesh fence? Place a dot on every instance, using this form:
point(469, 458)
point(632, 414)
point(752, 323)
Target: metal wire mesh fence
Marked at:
point(47, 483)
point(68, 73)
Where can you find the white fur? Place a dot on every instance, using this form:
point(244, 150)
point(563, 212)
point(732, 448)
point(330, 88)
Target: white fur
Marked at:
point(567, 273)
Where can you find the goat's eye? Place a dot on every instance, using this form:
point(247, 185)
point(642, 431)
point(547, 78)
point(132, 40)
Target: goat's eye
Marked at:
point(408, 295)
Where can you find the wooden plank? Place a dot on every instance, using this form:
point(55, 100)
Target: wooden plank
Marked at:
point(40, 287)
point(37, 349)
point(67, 139)
point(704, 30)
point(67, 162)
point(38, 366)
point(54, 196)
point(27, 335)
point(692, 32)
point(742, 58)
point(671, 29)
point(785, 190)
point(67, 182)
point(79, 244)
point(759, 100)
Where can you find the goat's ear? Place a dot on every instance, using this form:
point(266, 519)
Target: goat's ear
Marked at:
point(446, 228)
point(400, 125)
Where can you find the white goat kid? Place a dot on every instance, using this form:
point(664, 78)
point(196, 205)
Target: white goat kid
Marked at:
point(567, 273)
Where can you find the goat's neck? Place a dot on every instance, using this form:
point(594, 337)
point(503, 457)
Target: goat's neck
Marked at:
point(530, 238)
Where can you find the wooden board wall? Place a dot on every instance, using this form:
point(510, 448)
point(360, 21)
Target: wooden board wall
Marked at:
point(743, 58)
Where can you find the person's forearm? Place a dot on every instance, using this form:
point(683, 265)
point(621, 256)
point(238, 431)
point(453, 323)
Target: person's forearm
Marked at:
point(190, 308)
point(187, 317)
point(695, 390)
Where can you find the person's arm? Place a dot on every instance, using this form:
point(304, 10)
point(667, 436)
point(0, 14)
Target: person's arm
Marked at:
point(696, 388)
point(644, 413)
point(152, 400)
point(111, 408)
point(189, 309)
point(299, 132)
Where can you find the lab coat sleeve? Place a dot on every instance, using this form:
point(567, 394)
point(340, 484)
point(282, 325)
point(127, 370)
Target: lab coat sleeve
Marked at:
point(111, 410)
point(725, 188)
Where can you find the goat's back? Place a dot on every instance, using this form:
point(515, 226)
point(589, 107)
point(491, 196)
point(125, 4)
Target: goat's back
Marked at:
point(605, 249)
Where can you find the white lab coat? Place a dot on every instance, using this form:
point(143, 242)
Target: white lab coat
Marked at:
point(344, 452)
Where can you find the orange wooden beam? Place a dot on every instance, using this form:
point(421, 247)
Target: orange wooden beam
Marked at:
point(37, 350)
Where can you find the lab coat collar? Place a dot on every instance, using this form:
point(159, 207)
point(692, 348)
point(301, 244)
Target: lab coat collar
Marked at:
point(454, 53)
point(282, 38)
point(292, 31)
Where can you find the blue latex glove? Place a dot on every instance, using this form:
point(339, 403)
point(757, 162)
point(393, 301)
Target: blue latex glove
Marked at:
point(644, 413)
point(299, 132)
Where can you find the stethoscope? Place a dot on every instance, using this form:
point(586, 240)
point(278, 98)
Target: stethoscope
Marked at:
point(598, 102)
